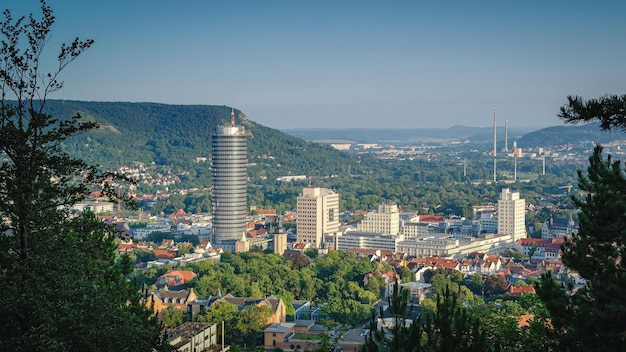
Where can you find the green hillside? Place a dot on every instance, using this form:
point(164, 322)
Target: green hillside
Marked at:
point(176, 135)
point(564, 135)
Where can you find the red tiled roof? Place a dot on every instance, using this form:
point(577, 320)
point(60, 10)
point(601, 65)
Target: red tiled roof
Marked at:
point(521, 290)
point(531, 241)
point(266, 211)
point(524, 320)
point(125, 247)
point(164, 254)
point(430, 218)
point(174, 278)
point(389, 274)
point(299, 245)
point(178, 213)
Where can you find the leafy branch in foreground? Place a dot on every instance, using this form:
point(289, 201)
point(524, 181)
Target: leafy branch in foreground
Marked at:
point(63, 289)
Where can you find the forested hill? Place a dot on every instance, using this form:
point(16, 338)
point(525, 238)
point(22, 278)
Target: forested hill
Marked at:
point(176, 135)
point(563, 135)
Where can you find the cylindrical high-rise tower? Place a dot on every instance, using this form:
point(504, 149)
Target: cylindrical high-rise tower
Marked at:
point(230, 181)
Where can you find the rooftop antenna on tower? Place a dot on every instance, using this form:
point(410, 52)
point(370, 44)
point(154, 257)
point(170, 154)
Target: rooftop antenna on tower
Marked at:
point(232, 116)
point(494, 145)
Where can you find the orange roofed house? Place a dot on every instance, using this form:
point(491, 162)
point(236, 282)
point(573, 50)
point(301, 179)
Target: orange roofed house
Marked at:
point(175, 279)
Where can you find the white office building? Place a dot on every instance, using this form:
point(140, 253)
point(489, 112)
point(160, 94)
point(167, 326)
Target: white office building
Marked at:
point(317, 214)
point(511, 215)
point(385, 220)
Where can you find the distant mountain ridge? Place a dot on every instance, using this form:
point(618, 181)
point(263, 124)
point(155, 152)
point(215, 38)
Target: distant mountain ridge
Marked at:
point(554, 135)
point(404, 135)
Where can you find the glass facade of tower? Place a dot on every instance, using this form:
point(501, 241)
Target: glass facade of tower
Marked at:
point(230, 181)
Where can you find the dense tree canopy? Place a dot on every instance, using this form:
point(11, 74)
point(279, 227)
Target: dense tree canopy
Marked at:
point(62, 288)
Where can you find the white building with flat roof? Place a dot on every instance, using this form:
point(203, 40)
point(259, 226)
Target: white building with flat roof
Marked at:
point(512, 215)
point(362, 240)
point(385, 220)
point(317, 214)
point(446, 246)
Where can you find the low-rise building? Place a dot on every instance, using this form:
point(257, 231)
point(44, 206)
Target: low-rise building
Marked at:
point(558, 228)
point(197, 337)
point(276, 305)
point(159, 300)
point(445, 245)
point(362, 240)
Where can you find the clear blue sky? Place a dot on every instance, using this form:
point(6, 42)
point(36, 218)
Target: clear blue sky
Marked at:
point(338, 64)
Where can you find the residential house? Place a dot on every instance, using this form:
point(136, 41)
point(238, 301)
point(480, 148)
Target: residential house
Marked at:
point(202, 247)
point(278, 334)
point(520, 290)
point(167, 244)
point(490, 264)
point(276, 305)
point(541, 249)
point(528, 246)
point(558, 228)
point(159, 300)
point(175, 279)
point(125, 248)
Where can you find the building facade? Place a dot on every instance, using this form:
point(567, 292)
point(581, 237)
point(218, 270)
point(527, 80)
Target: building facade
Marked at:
point(197, 337)
point(362, 240)
point(558, 228)
point(446, 246)
point(230, 177)
point(385, 220)
point(280, 243)
point(317, 214)
point(511, 215)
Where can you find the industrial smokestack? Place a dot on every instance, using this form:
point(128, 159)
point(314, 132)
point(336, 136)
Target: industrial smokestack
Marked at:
point(506, 136)
point(494, 145)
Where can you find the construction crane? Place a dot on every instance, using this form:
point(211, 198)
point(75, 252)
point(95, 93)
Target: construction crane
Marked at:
point(568, 186)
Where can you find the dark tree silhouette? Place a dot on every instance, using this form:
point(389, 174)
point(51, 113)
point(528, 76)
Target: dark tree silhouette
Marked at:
point(62, 289)
point(584, 319)
point(609, 111)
